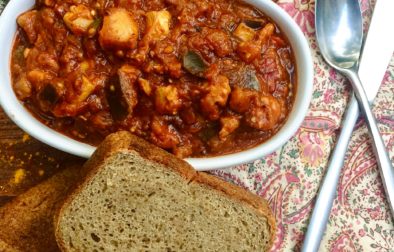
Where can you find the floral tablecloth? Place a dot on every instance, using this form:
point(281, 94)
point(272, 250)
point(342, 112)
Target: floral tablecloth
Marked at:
point(290, 177)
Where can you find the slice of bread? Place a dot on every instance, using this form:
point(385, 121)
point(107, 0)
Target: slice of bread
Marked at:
point(4, 247)
point(26, 222)
point(137, 197)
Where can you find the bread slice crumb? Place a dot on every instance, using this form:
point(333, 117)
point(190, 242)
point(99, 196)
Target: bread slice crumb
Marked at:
point(138, 197)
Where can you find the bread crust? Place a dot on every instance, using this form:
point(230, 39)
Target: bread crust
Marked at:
point(5, 247)
point(123, 141)
point(25, 221)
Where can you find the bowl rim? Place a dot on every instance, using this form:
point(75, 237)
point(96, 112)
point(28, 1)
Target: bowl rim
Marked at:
point(27, 122)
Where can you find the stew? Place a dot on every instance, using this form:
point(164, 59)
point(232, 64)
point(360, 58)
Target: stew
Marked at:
point(195, 77)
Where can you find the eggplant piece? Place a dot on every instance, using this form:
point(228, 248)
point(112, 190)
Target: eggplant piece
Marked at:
point(128, 76)
point(254, 24)
point(47, 97)
point(210, 131)
point(194, 63)
point(117, 103)
point(49, 94)
point(121, 92)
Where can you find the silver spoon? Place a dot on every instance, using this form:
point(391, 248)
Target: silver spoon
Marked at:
point(339, 35)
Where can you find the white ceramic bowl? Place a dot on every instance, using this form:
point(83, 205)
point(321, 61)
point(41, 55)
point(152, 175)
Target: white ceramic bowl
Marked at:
point(31, 125)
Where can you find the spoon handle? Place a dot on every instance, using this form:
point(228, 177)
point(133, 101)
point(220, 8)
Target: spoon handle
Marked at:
point(328, 188)
point(383, 161)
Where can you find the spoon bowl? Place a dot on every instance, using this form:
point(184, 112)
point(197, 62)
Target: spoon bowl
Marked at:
point(339, 32)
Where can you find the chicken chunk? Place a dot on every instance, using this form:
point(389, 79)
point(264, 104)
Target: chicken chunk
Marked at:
point(218, 90)
point(128, 76)
point(157, 28)
point(264, 113)
point(164, 135)
point(265, 33)
point(102, 120)
point(71, 56)
point(157, 25)
point(244, 32)
point(27, 21)
point(23, 88)
point(241, 98)
point(210, 41)
point(167, 100)
point(219, 41)
point(78, 19)
point(229, 124)
point(119, 30)
point(48, 61)
point(251, 49)
point(164, 52)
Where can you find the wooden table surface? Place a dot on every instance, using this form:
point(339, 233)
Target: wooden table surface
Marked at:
point(25, 161)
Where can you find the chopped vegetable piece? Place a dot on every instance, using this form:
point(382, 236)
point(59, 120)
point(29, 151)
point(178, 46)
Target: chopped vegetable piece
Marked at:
point(78, 19)
point(19, 53)
point(94, 26)
point(251, 81)
point(194, 64)
point(167, 100)
point(254, 24)
point(164, 135)
point(28, 22)
point(49, 94)
point(218, 91)
point(157, 25)
point(86, 89)
point(209, 131)
point(96, 23)
point(244, 33)
point(229, 125)
point(23, 88)
point(116, 101)
point(128, 76)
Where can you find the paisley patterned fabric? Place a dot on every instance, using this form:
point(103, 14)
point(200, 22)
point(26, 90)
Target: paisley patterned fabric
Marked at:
point(290, 177)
